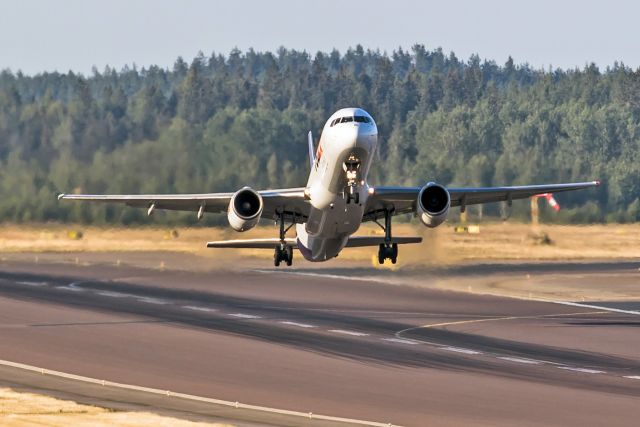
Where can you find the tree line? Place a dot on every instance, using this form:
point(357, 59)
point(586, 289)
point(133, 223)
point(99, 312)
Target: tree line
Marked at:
point(220, 122)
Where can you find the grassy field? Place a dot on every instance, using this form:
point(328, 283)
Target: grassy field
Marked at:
point(29, 409)
point(495, 241)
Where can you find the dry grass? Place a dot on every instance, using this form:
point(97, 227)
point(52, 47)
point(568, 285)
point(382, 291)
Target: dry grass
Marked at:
point(496, 241)
point(28, 409)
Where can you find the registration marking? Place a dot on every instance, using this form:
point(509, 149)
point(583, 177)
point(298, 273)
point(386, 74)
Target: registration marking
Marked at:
point(352, 333)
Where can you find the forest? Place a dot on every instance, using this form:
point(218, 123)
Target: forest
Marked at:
point(223, 121)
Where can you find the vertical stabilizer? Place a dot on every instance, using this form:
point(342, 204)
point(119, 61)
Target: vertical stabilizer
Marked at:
point(312, 156)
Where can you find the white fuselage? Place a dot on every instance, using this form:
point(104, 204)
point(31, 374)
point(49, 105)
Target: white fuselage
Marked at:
point(334, 216)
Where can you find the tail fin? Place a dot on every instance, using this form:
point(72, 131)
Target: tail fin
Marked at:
point(312, 156)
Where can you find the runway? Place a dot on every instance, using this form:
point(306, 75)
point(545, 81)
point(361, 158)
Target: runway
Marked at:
point(324, 341)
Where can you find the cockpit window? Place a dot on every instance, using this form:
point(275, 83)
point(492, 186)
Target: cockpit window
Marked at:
point(358, 119)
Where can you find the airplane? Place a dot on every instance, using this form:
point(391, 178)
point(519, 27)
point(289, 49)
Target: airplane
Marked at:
point(336, 200)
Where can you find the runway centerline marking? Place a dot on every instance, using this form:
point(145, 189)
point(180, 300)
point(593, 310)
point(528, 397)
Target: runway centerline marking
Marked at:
point(150, 300)
point(461, 350)
point(196, 308)
point(32, 283)
point(352, 333)
point(116, 294)
point(633, 377)
point(401, 341)
point(301, 325)
point(583, 370)
point(521, 360)
point(245, 316)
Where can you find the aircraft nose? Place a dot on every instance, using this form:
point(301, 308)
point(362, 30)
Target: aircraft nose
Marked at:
point(363, 133)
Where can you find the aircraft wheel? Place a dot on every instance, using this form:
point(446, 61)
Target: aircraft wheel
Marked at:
point(381, 254)
point(394, 253)
point(289, 255)
point(277, 257)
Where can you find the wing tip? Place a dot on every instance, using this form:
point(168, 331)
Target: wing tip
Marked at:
point(61, 196)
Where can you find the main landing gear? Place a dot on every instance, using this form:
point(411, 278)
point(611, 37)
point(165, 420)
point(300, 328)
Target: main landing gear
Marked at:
point(387, 250)
point(283, 252)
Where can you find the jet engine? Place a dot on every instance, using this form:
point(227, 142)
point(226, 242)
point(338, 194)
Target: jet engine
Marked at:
point(245, 209)
point(433, 204)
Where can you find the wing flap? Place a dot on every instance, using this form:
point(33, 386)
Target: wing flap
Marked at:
point(402, 200)
point(362, 241)
point(251, 243)
point(289, 200)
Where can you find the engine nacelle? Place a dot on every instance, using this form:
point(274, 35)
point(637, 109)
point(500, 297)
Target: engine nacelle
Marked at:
point(433, 204)
point(245, 209)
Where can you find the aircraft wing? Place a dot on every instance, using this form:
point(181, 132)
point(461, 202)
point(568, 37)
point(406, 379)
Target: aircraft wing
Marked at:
point(403, 199)
point(353, 242)
point(289, 200)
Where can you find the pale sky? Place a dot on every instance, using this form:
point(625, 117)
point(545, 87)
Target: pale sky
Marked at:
point(38, 36)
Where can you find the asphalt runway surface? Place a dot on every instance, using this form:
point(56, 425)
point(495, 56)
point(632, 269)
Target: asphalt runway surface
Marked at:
point(320, 340)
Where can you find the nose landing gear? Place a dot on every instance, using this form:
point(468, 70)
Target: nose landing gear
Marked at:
point(283, 253)
point(351, 167)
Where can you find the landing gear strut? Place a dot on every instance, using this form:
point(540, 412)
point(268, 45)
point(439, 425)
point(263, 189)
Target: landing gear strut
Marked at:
point(387, 250)
point(283, 252)
point(351, 167)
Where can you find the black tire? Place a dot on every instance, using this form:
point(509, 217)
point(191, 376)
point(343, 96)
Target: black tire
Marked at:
point(381, 254)
point(394, 251)
point(289, 256)
point(277, 257)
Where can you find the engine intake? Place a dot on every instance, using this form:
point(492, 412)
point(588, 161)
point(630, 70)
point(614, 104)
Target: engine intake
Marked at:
point(245, 209)
point(433, 204)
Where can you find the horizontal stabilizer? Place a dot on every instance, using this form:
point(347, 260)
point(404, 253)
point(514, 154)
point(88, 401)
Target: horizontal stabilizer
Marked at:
point(361, 241)
point(251, 243)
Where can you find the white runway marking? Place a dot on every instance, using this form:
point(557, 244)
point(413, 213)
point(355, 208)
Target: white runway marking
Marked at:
point(245, 316)
point(196, 308)
point(69, 288)
point(583, 370)
point(461, 350)
point(301, 325)
point(520, 360)
point(352, 333)
point(400, 341)
point(597, 307)
point(33, 283)
point(116, 294)
point(153, 300)
point(633, 377)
